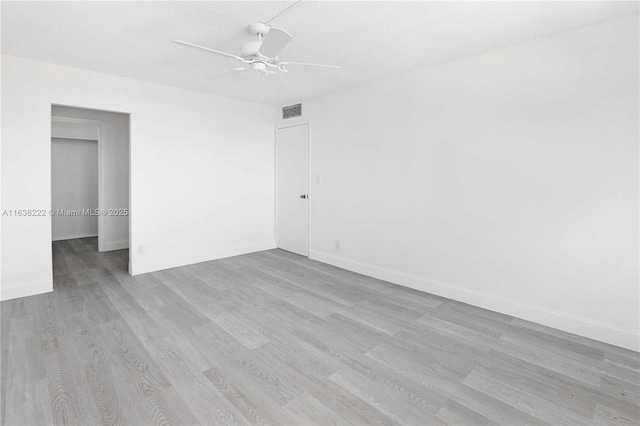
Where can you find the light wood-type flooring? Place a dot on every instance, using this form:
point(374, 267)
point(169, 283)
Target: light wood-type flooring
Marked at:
point(273, 337)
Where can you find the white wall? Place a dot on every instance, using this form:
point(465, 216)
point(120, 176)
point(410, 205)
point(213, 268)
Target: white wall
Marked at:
point(74, 186)
point(507, 180)
point(114, 140)
point(202, 170)
point(70, 130)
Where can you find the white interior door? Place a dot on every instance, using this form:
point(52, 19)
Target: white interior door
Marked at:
point(292, 177)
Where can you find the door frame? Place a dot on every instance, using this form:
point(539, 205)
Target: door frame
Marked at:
point(101, 177)
point(279, 127)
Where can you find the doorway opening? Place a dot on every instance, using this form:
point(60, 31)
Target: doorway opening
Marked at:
point(90, 170)
point(292, 188)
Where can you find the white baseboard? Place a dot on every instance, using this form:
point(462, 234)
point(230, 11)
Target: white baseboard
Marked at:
point(586, 327)
point(158, 265)
point(74, 236)
point(14, 291)
point(116, 245)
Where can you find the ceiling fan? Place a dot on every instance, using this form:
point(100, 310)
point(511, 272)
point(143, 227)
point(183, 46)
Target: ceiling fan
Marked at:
point(260, 55)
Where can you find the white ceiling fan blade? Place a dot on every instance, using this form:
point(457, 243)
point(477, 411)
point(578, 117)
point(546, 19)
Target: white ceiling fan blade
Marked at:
point(229, 55)
point(222, 74)
point(282, 66)
point(273, 42)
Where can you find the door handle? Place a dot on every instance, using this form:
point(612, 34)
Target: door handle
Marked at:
point(303, 196)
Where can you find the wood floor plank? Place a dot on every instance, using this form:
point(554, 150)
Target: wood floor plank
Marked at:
point(203, 399)
point(405, 398)
point(26, 381)
point(309, 411)
point(496, 411)
point(455, 414)
point(275, 338)
point(610, 416)
point(434, 377)
point(252, 408)
point(148, 384)
point(540, 382)
point(5, 323)
point(548, 359)
point(523, 401)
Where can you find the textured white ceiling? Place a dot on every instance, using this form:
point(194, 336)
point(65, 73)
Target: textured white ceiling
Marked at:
point(369, 40)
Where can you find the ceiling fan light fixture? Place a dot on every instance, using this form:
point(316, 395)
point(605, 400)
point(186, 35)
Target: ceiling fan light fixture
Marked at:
point(259, 66)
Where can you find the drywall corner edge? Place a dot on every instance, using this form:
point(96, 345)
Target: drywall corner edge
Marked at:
point(15, 291)
point(585, 327)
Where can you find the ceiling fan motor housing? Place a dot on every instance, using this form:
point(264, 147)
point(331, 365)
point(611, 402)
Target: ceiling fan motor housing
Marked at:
point(259, 28)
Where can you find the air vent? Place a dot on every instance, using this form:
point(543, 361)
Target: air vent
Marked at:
point(292, 111)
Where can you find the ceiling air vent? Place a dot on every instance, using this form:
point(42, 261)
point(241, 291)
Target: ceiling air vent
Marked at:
point(292, 111)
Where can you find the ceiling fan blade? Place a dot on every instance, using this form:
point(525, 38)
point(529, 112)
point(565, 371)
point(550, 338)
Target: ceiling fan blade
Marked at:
point(273, 42)
point(282, 65)
point(229, 55)
point(222, 74)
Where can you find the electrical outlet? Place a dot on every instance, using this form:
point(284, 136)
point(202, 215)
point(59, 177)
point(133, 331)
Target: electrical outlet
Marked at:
point(337, 245)
point(318, 179)
point(140, 249)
